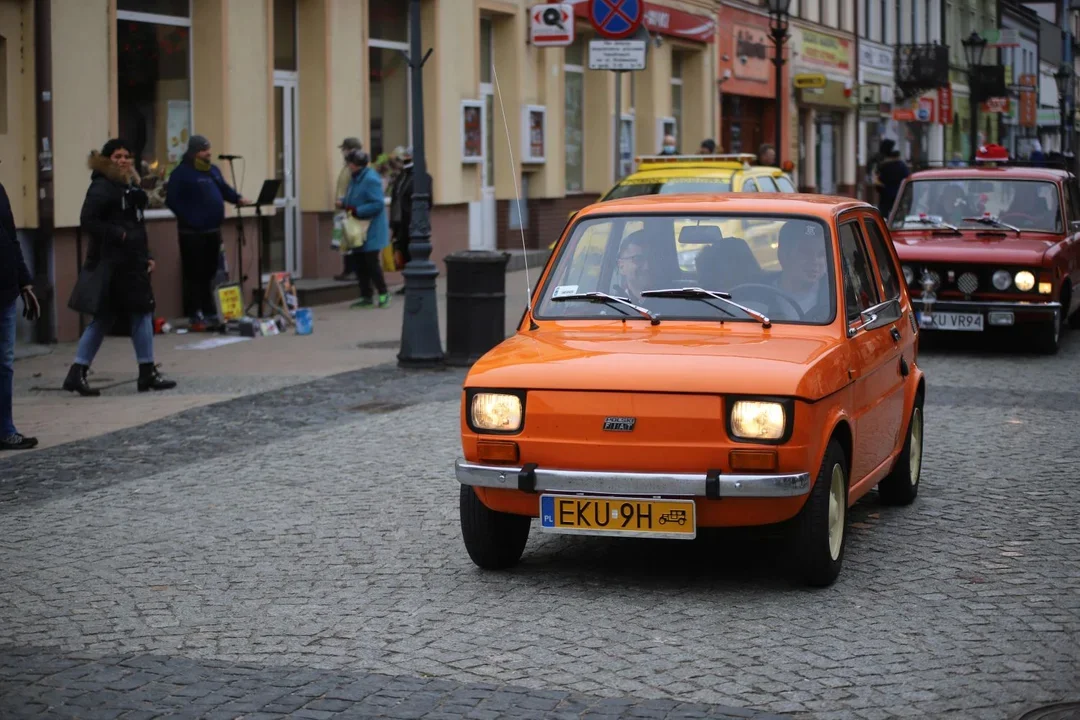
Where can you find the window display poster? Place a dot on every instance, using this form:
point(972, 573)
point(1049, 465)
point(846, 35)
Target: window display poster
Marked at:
point(472, 132)
point(536, 133)
point(178, 127)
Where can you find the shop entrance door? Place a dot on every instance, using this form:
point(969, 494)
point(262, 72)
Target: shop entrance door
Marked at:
point(482, 213)
point(826, 154)
point(281, 250)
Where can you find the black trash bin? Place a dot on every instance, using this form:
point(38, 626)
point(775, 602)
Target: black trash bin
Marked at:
point(475, 304)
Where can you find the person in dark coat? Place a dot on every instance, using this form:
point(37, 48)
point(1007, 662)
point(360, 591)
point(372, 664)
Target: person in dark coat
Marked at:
point(15, 281)
point(196, 194)
point(891, 172)
point(115, 279)
point(401, 208)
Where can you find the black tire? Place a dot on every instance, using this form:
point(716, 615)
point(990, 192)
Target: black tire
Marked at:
point(494, 540)
point(817, 564)
point(1048, 335)
point(901, 486)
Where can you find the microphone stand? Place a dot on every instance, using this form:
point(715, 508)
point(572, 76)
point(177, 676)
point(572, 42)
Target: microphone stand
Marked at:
point(241, 240)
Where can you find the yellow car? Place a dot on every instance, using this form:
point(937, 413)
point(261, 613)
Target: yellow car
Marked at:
point(669, 174)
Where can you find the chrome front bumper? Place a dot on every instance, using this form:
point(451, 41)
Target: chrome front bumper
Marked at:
point(981, 305)
point(712, 485)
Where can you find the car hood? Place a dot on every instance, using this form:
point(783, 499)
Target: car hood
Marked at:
point(973, 247)
point(636, 358)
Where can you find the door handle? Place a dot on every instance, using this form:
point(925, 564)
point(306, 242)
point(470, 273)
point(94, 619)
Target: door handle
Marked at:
point(895, 334)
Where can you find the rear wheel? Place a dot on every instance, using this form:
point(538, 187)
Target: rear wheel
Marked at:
point(494, 540)
point(820, 531)
point(901, 486)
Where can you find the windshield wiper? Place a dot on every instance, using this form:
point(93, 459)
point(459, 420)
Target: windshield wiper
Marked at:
point(990, 220)
point(612, 300)
point(938, 224)
point(696, 293)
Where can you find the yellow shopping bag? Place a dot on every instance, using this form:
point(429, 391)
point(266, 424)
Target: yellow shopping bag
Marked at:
point(386, 255)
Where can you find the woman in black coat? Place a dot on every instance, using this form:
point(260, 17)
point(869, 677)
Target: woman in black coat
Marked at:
point(116, 275)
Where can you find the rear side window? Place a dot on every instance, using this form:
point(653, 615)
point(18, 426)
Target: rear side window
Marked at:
point(766, 184)
point(749, 185)
point(860, 290)
point(784, 184)
point(884, 259)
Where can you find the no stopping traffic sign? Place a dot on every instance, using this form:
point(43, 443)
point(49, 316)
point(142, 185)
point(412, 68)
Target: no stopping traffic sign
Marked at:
point(616, 19)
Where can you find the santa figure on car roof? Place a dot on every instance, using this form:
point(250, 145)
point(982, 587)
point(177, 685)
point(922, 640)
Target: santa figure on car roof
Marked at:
point(991, 154)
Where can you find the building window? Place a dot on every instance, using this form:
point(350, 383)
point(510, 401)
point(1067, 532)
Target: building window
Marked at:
point(677, 96)
point(285, 35)
point(574, 75)
point(388, 74)
point(882, 17)
point(153, 73)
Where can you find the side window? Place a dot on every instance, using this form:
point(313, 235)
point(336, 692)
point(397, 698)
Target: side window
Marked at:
point(766, 184)
point(860, 290)
point(883, 259)
point(784, 184)
point(1072, 196)
point(749, 185)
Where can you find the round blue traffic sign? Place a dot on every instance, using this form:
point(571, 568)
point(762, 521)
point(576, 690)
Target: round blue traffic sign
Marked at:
point(616, 19)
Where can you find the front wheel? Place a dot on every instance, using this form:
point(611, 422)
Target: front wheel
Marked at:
point(494, 540)
point(1048, 336)
point(901, 486)
point(820, 531)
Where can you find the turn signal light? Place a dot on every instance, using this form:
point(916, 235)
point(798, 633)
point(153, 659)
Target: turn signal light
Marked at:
point(497, 451)
point(753, 460)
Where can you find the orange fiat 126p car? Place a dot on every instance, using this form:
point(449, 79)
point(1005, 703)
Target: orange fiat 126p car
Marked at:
point(638, 397)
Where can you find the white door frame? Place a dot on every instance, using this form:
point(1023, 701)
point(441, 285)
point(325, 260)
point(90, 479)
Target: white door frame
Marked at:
point(290, 203)
point(487, 187)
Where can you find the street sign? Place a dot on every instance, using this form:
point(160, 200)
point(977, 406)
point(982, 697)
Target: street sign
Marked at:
point(1002, 38)
point(945, 102)
point(617, 55)
point(551, 25)
point(996, 105)
point(616, 19)
point(809, 80)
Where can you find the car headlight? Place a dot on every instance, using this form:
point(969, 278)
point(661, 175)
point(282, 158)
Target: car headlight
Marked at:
point(1024, 281)
point(497, 412)
point(757, 420)
point(1002, 280)
point(909, 274)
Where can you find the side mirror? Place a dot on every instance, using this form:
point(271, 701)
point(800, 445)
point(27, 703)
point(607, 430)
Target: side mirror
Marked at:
point(878, 316)
point(1075, 225)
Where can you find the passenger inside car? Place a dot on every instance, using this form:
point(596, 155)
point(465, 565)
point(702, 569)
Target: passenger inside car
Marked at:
point(724, 262)
point(803, 277)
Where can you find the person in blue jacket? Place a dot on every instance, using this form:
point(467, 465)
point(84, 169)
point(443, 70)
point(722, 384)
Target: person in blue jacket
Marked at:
point(196, 195)
point(364, 200)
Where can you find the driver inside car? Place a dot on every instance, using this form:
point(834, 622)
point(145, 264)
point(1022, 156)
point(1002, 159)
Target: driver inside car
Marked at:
point(635, 271)
point(1029, 208)
point(802, 259)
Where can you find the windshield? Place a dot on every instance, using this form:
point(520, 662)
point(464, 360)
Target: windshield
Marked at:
point(1025, 204)
point(780, 266)
point(632, 187)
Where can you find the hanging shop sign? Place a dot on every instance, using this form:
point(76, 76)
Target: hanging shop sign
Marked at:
point(995, 105)
point(751, 54)
point(660, 20)
point(1029, 101)
point(551, 25)
point(945, 105)
point(824, 52)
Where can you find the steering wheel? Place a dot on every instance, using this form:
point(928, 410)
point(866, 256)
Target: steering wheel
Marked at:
point(1019, 219)
point(771, 293)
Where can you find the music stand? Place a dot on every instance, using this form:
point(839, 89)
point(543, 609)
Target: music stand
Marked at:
point(266, 197)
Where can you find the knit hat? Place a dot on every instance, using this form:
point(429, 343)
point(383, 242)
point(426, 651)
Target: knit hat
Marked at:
point(357, 157)
point(197, 143)
point(351, 143)
point(112, 146)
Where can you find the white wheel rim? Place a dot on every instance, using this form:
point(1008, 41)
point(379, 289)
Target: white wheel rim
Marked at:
point(915, 456)
point(837, 510)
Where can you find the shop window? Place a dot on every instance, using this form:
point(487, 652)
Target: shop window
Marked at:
point(285, 35)
point(388, 73)
point(574, 75)
point(677, 96)
point(3, 86)
point(153, 67)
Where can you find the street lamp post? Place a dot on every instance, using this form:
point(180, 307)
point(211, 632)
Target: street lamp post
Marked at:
point(778, 27)
point(1063, 77)
point(421, 345)
point(974, 45)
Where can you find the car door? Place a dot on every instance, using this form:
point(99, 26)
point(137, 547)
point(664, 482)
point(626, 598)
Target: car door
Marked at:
point(1072, 236)
point(873, 355)
point(902, 331)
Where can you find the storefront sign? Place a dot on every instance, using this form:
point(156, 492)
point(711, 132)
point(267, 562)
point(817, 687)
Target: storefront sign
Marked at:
point(827, 52)
point(551, 25)
point(944, 98)
point(1049, 117)
point(834, 94)
point(995, 105)
point(751, 57)
point(616, 54)
point(809, 80)
point(664, 20)
point(1029, 101)
point(922, 111)
point(1002, 38)
point(875, 57)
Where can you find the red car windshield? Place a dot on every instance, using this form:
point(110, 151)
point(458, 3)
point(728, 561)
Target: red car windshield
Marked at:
point(1024, 204)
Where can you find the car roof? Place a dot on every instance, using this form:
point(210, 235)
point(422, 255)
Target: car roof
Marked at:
point(822, 206)
point(986, 173)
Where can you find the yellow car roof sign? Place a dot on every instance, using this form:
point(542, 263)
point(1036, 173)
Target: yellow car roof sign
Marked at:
point(733, 160)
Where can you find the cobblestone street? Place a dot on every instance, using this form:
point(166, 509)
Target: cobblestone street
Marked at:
point(297, 552)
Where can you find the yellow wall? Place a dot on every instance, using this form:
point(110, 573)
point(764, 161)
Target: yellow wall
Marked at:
point(250, 102)
point(210, 86)
point(18, 171)
point(80, 38)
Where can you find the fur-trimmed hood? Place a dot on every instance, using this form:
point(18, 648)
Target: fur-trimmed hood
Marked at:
point(98, 163)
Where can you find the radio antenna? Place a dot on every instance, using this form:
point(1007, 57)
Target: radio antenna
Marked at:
point(517, 197)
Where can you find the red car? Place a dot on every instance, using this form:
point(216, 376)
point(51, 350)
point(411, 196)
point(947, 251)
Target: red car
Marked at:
point(991, 247)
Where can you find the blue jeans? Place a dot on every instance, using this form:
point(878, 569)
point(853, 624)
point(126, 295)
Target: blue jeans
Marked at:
point(142, 337)
point(7, 368)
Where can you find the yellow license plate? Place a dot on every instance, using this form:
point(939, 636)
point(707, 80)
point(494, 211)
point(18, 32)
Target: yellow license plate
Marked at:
point(637, 517)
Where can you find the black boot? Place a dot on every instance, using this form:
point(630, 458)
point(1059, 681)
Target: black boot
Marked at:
point(151, 379)
point(76, 381)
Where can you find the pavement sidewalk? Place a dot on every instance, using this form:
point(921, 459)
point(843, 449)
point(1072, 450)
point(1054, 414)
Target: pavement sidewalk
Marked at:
point(343, 339)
